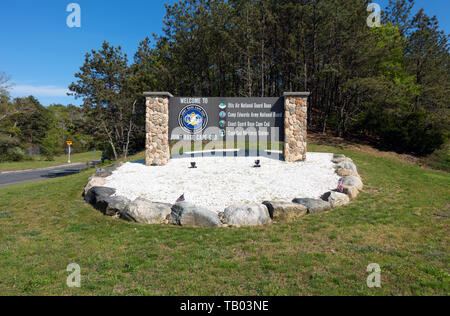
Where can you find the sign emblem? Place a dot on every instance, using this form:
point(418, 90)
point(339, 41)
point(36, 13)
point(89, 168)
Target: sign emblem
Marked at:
point(193, 119)
point(222, 106)
point(222, 124)
point(223, 114)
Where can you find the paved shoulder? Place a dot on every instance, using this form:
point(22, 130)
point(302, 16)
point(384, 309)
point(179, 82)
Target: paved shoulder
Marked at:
point(11, 178)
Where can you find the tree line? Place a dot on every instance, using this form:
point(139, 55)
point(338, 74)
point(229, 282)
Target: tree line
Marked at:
point(29, 129)
point(389, 84)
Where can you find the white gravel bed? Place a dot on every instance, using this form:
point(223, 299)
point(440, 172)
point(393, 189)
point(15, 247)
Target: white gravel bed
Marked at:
point(220, 182)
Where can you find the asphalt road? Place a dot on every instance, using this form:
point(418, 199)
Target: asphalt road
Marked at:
point(16, 177)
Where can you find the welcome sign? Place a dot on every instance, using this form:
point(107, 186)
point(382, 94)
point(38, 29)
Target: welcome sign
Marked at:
point(214, 119)
point(170, 121)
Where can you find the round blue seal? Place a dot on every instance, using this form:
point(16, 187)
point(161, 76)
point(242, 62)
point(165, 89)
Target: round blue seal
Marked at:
point(193, 119)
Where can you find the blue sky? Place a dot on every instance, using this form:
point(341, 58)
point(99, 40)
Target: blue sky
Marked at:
point(41, 53)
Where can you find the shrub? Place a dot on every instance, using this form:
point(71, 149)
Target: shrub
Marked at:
point(440, 159)
point(51, 145)
point(49, 157)
point(107, 151)
point(413, 133)
point(6, 143)
point(15, 154)
point(405, 132)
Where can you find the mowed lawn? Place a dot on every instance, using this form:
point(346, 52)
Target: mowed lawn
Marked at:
point(400, 221)
point(40, 162)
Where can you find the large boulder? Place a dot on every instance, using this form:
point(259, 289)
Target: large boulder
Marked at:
point(346, 173)
point(314, 205)
point(348, 165)
point(352, 192)
point(337, 158)
point(113, 205)
point(336, 199)
point(95, 194)
point(187, 214)
point(108, 171)
point(352, 181)
point(147, 212)
point(94, 182)
point(282, 211)
point(246, 215)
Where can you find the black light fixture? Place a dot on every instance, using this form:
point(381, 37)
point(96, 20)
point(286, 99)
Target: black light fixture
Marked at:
point(193, 165)
point(257, 164)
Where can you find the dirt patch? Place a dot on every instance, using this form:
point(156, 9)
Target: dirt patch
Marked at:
point(365, 147)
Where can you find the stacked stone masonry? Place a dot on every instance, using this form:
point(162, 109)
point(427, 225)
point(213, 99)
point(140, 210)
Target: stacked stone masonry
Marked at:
point(295, 125)
point(157, 127)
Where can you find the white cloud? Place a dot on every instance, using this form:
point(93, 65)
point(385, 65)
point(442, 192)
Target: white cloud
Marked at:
point(39, 91)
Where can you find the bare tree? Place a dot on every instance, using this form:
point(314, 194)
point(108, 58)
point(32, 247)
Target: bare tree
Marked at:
point(5, 84)
point(6, 109)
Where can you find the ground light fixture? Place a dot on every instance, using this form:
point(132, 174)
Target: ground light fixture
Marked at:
point(193, 165)
point(257, 164)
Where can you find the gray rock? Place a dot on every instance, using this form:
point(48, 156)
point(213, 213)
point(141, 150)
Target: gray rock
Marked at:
point(246, 215)
point(104, 173)
point(314, 205)
point(113, 205)
point(338, 158)
point(187, 214)
point(352, 192)
point(347, 164)
point(147, 212)
point(336, 199)
point(281, 211)
point(353, 181)
point(108, 171)
point(97, 193)
point(346, 173)
point(94, 182)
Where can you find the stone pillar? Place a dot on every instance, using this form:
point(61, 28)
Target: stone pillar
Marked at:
point(295, 126)
point(157, 128)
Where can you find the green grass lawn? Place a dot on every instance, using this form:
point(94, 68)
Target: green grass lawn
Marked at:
point(440, 159)
point(400, 221)
point(39, 162)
